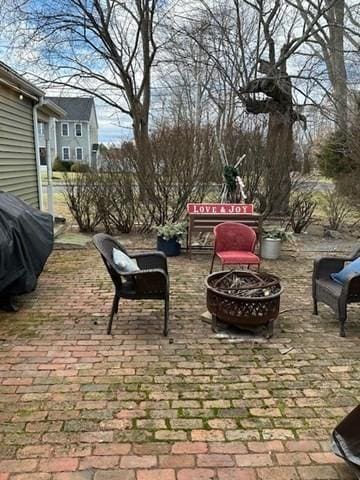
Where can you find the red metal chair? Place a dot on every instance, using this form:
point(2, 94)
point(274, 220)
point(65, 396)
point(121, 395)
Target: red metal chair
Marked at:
point(235, 244)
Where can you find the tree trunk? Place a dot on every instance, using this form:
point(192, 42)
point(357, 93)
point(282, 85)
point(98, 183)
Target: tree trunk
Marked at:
point(280, 148)
point(337, 58)
point(331, 42)
point(144, 164)
point(276, 85)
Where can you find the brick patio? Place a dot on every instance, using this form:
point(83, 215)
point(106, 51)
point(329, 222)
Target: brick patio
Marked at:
point(78, 404)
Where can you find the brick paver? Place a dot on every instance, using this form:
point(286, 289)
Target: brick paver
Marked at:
point(77, 404)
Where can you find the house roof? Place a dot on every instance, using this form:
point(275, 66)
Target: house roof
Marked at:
point(17, 82)
point(50, 109)
point(76, 108)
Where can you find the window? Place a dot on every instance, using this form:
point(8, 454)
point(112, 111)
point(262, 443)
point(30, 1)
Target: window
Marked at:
point(78, 130)
point(65, 153)
point(79, 153)
point(42, 155)
point(64, 129)
point(41, 129)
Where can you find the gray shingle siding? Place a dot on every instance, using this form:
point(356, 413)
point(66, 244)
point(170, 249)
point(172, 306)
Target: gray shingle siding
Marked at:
point(18, 173)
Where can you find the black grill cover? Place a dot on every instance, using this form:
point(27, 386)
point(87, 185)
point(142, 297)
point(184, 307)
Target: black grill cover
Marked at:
point(26, 241)
point(346, 439)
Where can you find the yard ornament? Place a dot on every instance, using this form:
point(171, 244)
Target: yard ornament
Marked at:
point(233, 189)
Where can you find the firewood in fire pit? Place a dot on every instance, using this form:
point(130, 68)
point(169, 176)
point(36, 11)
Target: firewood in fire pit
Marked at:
point(248, 284)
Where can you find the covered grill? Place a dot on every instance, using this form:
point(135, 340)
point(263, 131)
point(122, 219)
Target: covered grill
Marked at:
point(26, 241)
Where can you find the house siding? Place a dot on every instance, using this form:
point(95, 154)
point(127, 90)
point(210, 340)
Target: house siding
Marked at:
point(72, 141)
point(93, 129)
point(50, 130)
point(18, 174)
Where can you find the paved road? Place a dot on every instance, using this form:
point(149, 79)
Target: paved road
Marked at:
point(318, 186)
point(308, 185)
point(56, 189)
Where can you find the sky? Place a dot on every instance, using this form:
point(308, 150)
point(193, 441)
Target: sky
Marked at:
point(112, 129)
point(109, 132)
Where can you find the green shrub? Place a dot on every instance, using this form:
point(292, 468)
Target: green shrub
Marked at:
point(339, 158)
point(68, 165)
point(334, 155)
point(116, 197)
point(301, 209)
point(78, 167)
point(349, 187)
point(61, 165)
point(337, 208)
point(81, 197)
point(58, 165)
point(171, 230)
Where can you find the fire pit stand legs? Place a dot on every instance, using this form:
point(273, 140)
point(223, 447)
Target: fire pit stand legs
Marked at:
point(214, 323)
point(269, 327)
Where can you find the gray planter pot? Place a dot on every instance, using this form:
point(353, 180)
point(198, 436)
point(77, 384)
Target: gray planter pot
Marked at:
point(270, 248)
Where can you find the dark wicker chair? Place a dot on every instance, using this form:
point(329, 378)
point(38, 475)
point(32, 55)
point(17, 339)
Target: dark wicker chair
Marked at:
point(150, 282)
point(333, 294)
point(346, 440)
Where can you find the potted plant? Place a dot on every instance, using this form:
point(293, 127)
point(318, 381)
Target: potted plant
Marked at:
point(169, 238)
point(271, 242)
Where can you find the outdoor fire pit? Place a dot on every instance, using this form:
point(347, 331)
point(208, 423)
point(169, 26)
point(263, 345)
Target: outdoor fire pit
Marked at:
point(244, 299)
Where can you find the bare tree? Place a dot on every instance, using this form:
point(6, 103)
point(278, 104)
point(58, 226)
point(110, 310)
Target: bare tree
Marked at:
point(264, 85)
point(215, 34)
point(262, 57)
point(277, 86)
point(328, 45)
point(105, 48)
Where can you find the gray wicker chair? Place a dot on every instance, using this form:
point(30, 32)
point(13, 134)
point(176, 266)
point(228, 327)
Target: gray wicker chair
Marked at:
point(333, 294)
point(150, 282)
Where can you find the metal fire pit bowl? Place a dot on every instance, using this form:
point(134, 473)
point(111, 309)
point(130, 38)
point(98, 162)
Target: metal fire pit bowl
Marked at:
point(244, 299)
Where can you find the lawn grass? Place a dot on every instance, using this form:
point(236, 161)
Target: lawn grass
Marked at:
point(60, 207)
point(57, 177)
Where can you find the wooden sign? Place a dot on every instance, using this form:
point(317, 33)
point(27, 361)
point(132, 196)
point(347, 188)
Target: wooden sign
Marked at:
point(220, 208)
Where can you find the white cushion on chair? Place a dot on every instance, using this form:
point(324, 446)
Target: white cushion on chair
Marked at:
point(125, 263)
